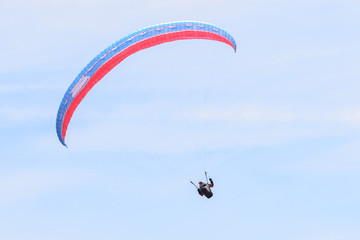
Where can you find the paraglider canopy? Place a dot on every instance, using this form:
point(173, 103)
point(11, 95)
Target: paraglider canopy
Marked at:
point(117, 52)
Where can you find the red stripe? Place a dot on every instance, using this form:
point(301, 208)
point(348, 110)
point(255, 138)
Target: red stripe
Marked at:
point(147, 43)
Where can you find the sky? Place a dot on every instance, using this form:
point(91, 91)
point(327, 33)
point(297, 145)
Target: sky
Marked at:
point(276, 124)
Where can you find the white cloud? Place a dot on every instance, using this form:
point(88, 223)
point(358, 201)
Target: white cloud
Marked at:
point(10, 114)
point(343, 158)
point(32, 183)
point(304, 54)
point(241, 113)
point(265, 113)
point(159, 127)
point(350, 116)
point(25, 87)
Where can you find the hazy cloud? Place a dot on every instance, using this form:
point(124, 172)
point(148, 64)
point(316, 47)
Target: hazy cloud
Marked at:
point(32, 183)
point(12, 114)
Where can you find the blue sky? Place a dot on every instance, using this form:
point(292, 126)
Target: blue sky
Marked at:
point(276, 125)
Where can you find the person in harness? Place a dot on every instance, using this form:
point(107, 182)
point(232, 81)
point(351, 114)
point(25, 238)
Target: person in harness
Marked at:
point(204, 188)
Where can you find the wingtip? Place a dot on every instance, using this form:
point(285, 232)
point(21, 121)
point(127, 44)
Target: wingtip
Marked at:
point(63, 143)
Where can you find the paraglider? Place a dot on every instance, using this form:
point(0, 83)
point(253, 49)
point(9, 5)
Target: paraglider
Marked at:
point(205, 188)
point(113, 55)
